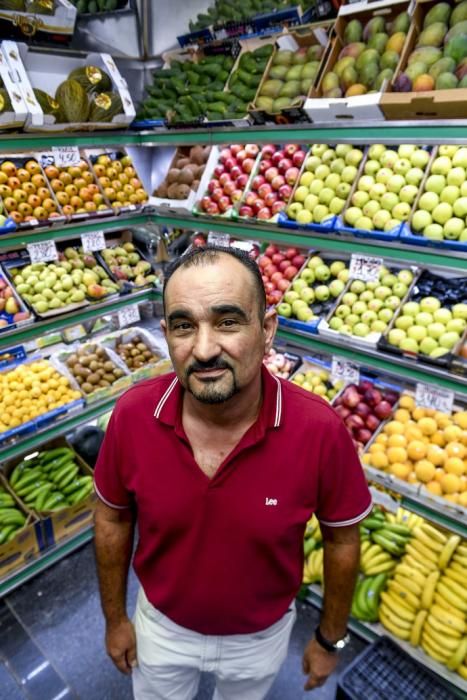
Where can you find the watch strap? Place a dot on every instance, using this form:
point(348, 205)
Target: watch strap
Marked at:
point(331, 647)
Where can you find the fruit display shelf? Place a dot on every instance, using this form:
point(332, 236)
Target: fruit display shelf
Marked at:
point(370, 631)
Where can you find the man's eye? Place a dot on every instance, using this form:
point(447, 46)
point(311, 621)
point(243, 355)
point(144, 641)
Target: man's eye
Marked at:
point(185, 326)
point(228, 322)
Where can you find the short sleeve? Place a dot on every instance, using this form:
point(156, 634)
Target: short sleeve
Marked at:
point(107, 473)
point(343, 494)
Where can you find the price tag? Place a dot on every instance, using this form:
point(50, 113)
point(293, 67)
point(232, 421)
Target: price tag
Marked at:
point(65, 156)
point(429, 396)
point(94, 240)
point(365, 268)
point(42, 251)
point(344, 370)
point(247, 246)
point(128, 315)
point(222, 239)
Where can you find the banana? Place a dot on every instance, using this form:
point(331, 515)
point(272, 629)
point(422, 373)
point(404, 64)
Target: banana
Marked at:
point(462, 550)
point(6, 500)
point(397, 608)
point(441, 628)
point(460, 560)
point(425, 551)
point(412, 574)
point(418, 565)
point(371, 552)
point(71, 476)
point(398, 529)
point(79, 483)
point(414, 520)
point(7, 532)
point(418, 556)
point(364, 546)
point(61, 473)
point(427, 648)
point(397, 631)
point(449, 644)
point(448, 550)
point(403, 593)
point(409, 584)
point(455, 576)
point(429, 542)
point(362, 598)
point(433, 533)
point(383, 568)
point(400, 601)
point(451, 597)
point(416, 631)
point(11, 516)
point(429, 589)
point(462, 671)
point(373, 523)
point(459, 568)
point(434, 648)
point(391, 518)
point(448, 618)
point(391, 547)
point(374, 593)
point(439, 600)
point(455, 587)
point(394, 619)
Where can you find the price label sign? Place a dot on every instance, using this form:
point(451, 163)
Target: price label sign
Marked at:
point(94, 240)
point(222, 239)
point(128, 315)
point(345, 371)
point(428, 396)
point(247, 246)
point(65, 156)
point(365, 268)
point(42, 251)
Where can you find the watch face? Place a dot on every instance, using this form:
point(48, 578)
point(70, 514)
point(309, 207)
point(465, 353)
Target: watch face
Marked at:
point(342, 642)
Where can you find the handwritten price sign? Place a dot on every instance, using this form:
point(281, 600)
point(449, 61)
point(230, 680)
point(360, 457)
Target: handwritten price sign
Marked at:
point(218, 239)
point(128, 315)
point(428, 396)
point(365, 268)
point(94, 240)
point(65, 156)
point(42, 251)
point(344, 371)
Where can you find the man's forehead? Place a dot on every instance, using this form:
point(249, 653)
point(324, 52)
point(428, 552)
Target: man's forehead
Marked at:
point(225, 276)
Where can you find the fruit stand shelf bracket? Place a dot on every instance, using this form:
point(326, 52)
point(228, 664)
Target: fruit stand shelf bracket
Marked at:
point(373, 359)
point(371, 631)
point(115, 223)
point(418, 503)
point(275, 234)
point(40, 328)
point(435, 132)
point(44, 560)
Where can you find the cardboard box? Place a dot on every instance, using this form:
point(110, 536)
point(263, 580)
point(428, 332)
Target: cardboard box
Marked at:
point(152, 368)
point(59, 24)
point(27, 542)
point(432, 104)
point(47, 72)
point(359, 107)
point(15, 117)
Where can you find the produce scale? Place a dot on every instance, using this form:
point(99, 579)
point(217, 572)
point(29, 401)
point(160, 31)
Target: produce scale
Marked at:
point(329, 141)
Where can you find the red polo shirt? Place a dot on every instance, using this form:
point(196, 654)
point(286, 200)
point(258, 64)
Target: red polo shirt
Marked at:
point(225, 555)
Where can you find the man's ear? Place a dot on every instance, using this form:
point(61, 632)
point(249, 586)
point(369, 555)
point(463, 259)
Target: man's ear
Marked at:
point(269, 328)
point(163, 325)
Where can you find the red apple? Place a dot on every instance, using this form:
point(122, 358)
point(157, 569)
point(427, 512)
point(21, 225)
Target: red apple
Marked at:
point(278, 206)
point(383, 409)
point(224, 179)
point(390, 396)
point(264, 261)
point(270, 199)
point(277, 157)
point(271, 173)
point(277, 182)
point(290, 253)
point(291, 175)
point(264, 213)
point(284, 265)
point(269, 287)
point(270, 250)
point(277, 258)
point(229, 163)
point(298, 158)
point(290, 272)
point(219, 170)
point(246, 211)
point(276, 296)
point(283, 284)
point(276, 277)
point(298, 261)
point(264, 189)
point(264, 278)
point(236, 148)
point(351, 398)
point(265, 165)
point(250, 198)
point(342, 411)
point(224, 203)
point(212, 208)
point(205, 203)
point(363, 435)
point(372, 397)
point(252, 150)
point(364, 385)
point(270, 270)
point(362, 409)
point(354, 422)
point(268, 150)
point(214, 184)
point(217, 194)
point(242, 180)
point(236, 171)
point(257, 182)
point(284, 164)
point(284, 192)
point(224, 154)
point(248, 165)
point(229, 187)
point(372, 422)
point(291, 148)
point(259, 204)
point(236, 195)
point(241, 155)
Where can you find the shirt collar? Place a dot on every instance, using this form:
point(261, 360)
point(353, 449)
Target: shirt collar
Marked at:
point(168, 408)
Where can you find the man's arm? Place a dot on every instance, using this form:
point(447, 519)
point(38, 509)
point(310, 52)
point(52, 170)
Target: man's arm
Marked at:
point(114, 534)
point(341, 562)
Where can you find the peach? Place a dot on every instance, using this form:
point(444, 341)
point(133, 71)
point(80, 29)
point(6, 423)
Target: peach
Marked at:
point(135, 183)
point(117, 185)
point(38, 180)
point(65, 178)
point(20, 195)
point(5, 191)
point(52, 172)
point(82, 165)
point(33, 167)
point(10, 204)
point(74, 171)
point(34, 200)
point(68, 210)
point(357, 89)
point(29, 188)
point(76, 202)
point(98, 199)
point(110, 193)
point(3, 178)
point(121, 197)
point(43, 192)
point(57, 185)
point(93, 188)
point(62, 198)
point(14, 183)
point(49, 205)
point(88, 177)
point(104, 182)
point(8, 168)
point(90, 206)
point(40, 213)
point(99, 170)
point(112, 173)
point(85, 194)
point(25, 209)
point(16, 216)
point(80, 182)
point(23, 175)
point(71, 190)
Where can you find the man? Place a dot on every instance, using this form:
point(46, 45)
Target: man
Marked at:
point(221, 465)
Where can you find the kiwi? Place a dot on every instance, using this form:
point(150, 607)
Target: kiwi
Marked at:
point(72, 360)
point(186, 177)
point(172, 191)
point(195, 185)
point(206, 153)
point(100, 352)
point(183, 192)
point(86, 361)
point(104, 383)
point(87, 387)
point(100, 372)
point(108, 366)
point(161, 191)
point(173, 175)
point(118, 373)
point(197, 155)
point(182, 163)
point(141, 346)
point(80, 380)
point(93, 378)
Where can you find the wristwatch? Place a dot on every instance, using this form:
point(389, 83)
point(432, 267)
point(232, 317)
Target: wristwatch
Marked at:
point(330, 646)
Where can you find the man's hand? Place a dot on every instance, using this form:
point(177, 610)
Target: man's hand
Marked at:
point(318, 664)
point(120, 641)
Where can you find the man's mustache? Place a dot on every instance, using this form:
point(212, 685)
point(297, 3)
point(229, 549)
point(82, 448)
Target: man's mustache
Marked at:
point(216, 363)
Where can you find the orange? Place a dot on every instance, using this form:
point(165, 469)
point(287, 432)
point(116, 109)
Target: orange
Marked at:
point(463, 483)
point(413, 433)
point(366, 459)
point(418, 413)
point(407, 401)
point(455, 449)
point(401, 471)
point(442, 419)
point(402, 415)
point(424, 470)
point(396, 454)
point(412, 478)
point(397, 440)
point(460, 419)
point(438, 439)
point(428, 426)
point(452, 433)
point(416, 449)
point(435, 455)
point(376, 447)
point(439, 473)
point(434, 487)
point(450, 483)
point(455, 465)
point(394, 427)
point(381, 439)
point(379, 460)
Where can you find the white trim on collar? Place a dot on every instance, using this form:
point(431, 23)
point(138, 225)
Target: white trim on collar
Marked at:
point(164, 398)
point(277, 419)
point(352, 521)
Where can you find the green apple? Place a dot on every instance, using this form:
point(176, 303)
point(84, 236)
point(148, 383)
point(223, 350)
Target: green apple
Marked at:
point(351, 215)
point(336, 323)
point(361, 330)
point(424, 318)
point(404, 322)
point(353, 157)
point(459, 158)
point(442, 315)
point(291, 296)
point(405, 276)
point(365, 183)
point(357, 287)
point(370, 209)
point(392, 224)
point(305, 314)
point(434, 232)
point(428, 201)
point(435, 330)
point(395, 336)
point(375, 305)
point(306, 179)
point(344, 276)
point(441, 165)
point(298, 285)
point(400, 290)
point(463, 236)
point(318, 149)
point(360, 198)
point(449, 339)
point(284, 309)
point(336, 205)
point(322, 273)
point(449, 151)
point(460, 311)
point(307, 295)
point(395, 183)
point(336, 266)
point(367, 296)
point(359, 308)
point(419, 158)
point(304, 217)
point(371, 167)
point(383, 175)
point(408, 345)
point(342, 149)
point(320, 213)
point(336, 287)
point(322, 171)
point(382, 292)
point(343, 190)
point(435, 183)
point(293, 210)
point(388, 159)
point(328, 156)
point(377, 191)
point(326, 195)
point(314, 262)
point(456, 177)
point(385, 315)
point(310, 202)
point(428, 345)
point(378, 326)
point(332, 181)
point(402, 166)
point(388, 279)
point(299, 378)
point(411, 308)
point(301, 193)
point(381, 218)
point(420, 220)
point(368, 317)
point(439, 352)
point(456, 324)
point(392, 302)
point(430, 304)
point(299, 304)
point(453, 228)
point(342, 311)
point(352, 319)
point(450, 194)
point(406, 150)
point(349, 174)
point(389, 201)
point(376, 151)
point(460, 207)
point(442, 213)
point(322, 292)
point(414, 176)
point(408, 194)
point(364, 223)
point(337, 165)
point(417, 332)
point(308, 275)
point(312, 163)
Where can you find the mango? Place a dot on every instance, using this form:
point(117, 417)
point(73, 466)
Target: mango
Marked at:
point(423, 83)
point(459, 14)
point(353, 31)
point(294, 73)
point(456, 48)
point(463, 82)
point(368, 74)
point(433, 35)
point(396, 42)
point(310, 70)
point(415, 69)
point(401, 23)
point(459, 29)
point(375, 25)
point(461, 71)
point(305, 85)
point(290, 89)
point(368, 56)
point(378, 41)
point(271, 88)
point(446, 81)
point(281, 103)
point(444, 65)
point(425, 54)
point(330, 82)
point(356, 89)
point(333, 93)
point(438, 13)
point(386, 74)
point(349, 77)
point(354, 49)
point(314, 52)
point(278, 72)
point(389, 59)
point(342, 65)
point(11, 306)
point(283, 57)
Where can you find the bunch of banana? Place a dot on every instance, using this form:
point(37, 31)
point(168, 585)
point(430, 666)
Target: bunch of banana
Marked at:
point(314, 566)
point(405, 517)
point(386, 539)
point(366, 598)
point(313, 553)
point(11, 517)
point(50, 480)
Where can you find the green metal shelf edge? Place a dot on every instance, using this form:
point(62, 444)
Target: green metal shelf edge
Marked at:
point(44, 560)
point(383, 363)
point(376, 132)
point(425, 256)
point(114, 223)
point(40, 328)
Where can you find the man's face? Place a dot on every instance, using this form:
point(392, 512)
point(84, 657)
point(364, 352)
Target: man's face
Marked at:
point(216, 338)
